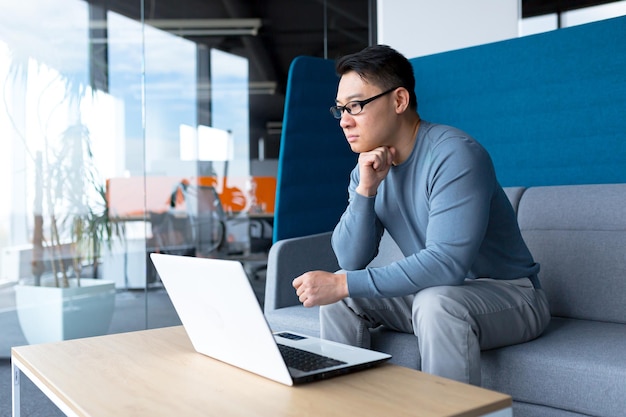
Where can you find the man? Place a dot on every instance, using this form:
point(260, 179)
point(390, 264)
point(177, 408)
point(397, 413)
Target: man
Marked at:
point(467, 281)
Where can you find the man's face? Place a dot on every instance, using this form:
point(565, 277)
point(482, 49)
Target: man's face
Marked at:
point(372, 127)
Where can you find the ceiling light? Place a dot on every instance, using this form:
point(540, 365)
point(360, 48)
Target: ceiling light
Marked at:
point(208, 27)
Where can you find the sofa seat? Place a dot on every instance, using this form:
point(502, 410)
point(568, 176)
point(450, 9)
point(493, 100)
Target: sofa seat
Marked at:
point(295, 318)
point(578, 362)
point(569, 380)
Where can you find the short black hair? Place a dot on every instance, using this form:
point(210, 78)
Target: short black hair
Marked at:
point(383, 66)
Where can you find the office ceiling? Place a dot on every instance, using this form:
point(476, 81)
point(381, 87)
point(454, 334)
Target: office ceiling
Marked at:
point(289, 28)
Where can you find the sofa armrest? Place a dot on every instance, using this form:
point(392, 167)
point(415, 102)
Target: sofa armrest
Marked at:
point(289, 258)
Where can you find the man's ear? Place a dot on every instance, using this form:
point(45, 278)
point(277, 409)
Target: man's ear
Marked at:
point(402, 99)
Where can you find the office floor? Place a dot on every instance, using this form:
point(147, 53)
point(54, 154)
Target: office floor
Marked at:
point(130, 315)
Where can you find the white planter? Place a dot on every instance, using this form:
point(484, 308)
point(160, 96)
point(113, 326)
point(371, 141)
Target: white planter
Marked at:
point(50, 314)
point(125, 263)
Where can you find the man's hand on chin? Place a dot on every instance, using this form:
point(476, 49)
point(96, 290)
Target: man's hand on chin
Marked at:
point(373, 168)
point(316, 288)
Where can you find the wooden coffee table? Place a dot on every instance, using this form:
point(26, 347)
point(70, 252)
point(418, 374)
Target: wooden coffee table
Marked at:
point(157, 373)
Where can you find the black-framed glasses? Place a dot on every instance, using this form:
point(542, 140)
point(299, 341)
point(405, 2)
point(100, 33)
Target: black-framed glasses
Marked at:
point(356, 107)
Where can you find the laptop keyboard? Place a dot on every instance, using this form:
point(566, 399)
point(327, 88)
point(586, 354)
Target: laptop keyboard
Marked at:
point(306, 361)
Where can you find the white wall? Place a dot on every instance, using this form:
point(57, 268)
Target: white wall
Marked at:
point(423, 27)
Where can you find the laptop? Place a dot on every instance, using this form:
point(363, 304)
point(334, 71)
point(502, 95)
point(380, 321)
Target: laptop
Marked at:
point(223, 319)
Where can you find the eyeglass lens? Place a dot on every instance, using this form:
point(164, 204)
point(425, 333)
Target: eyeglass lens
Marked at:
point(356, 107)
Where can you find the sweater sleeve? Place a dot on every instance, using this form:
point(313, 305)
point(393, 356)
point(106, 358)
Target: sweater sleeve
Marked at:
point(460, 183)
point(356, 237)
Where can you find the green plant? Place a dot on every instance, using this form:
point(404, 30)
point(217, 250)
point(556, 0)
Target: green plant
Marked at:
point(71, 220)
point(80, 195)
point(76, 207)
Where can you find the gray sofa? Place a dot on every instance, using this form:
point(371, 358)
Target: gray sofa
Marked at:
point(578, 366)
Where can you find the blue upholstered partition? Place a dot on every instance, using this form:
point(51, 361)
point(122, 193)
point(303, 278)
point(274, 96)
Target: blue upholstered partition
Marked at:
point(550, 109)
point(315, 159)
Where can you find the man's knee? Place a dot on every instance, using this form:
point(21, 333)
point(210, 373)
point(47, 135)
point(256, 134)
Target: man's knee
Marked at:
point(435, 303)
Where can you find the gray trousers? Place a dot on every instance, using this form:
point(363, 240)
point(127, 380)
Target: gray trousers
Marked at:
point(452, 323)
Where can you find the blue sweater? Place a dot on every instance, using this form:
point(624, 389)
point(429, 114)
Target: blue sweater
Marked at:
point(448, 214)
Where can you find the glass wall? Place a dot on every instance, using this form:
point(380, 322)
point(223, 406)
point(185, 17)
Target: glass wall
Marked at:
point(118, 139)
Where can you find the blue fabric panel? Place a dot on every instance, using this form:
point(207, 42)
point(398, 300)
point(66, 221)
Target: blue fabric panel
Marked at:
point(549, 108)
point(315, 159)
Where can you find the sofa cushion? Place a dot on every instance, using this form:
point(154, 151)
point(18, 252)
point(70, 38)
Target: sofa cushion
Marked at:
point(295, 318)
point(576, 365)
point(401, 346)
point(521, 409)
point(578, 235)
